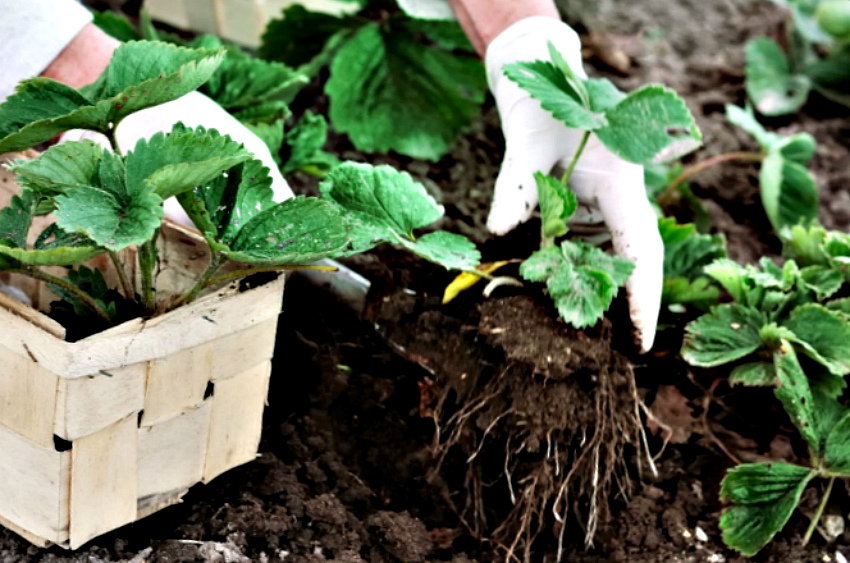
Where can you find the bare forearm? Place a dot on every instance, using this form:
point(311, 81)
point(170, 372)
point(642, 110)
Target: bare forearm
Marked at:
point(85, 57)
point(483, 20)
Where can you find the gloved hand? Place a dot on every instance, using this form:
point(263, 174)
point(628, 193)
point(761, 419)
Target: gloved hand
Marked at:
point(193, 109)
point(609, 188)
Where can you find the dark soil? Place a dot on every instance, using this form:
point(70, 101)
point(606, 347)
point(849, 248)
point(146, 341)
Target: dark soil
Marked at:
point(446, 433)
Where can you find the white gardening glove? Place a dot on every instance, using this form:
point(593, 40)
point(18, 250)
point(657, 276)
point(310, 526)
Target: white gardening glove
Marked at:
point(610, 189)
point(193, 110)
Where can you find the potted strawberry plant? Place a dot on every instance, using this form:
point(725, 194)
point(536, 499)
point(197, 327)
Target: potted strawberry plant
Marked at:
point(149, 372)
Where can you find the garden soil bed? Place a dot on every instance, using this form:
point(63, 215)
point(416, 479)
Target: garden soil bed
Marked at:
point(368, 435)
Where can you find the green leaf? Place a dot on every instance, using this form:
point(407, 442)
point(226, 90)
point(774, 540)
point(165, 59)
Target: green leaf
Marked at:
point(746, 120)
point(837, 447)
point(387, 92)
point(298, 231)
point(789, 193)
point(383, 203)
point(446, 34)
point(582, 280)
point(799, 148)
point(795, 394)
point(650, 124)
point(546, 83)
point(603, 94)
point(170, 164)
point(686, 252)
point(115, 25)
point(769, 83)
point(728, 333)
point(112, 212)
point(557, 205)
point(299, 35)
point(271, 134)
point(452, 251)
point(140, 74)
point(763, 496)
point(700, 292)
point(804, 245)
point(60, 167)
point(753, 374)
point(824, 336)
point(824, 281)
point(52, 248)
point(731, 276)
point(305, 142)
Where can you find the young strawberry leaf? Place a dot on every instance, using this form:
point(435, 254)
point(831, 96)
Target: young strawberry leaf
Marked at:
point(837, 446)
point(111, 211)
point(686, 254)
point(650, 124)
point(728, 333)
point(53, 247)
point(545, 82)
point(239, 218)
point(170, 164)
point(140, 74)
point(582, 279)
point(384, 205)
point(388, 93)
point(770, 83)
point(824, 336)
point(763, 496)
point(305, 142)
point(753, 374)
point(804, 244)
point(557, 204)
point(731, 276)
point(789, 192)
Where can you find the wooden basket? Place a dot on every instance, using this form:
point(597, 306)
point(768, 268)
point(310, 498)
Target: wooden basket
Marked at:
point(102, 432)
point(242, 21)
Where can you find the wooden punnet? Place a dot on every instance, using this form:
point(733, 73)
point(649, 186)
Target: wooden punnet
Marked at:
point(104, 431)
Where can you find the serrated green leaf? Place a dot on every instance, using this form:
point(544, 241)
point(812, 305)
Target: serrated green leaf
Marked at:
point(753, 374)
point(799, 148)
point(298, 231)
point(763, 495)
point(305, 142)
point(140, 74)
point(840, 305)
point(824, 336)
point(557, 204)
point(824, 281)
point(582, 280)
point(746, 120)
point(686, 252)
point(789, 193)
point(728, 333)
point(112, 212)
point(60, 167)
point(650, 124)
point(299, 35)
point(700, 292)
point(603, 94)
point(547, 84)
point(837, 448)
point(804, 245)
point(769, 83)
point(115, 25)
point(731, 276)
point(795, 394)
point(383, 203)
point(387, 92)
point(170, 164)
point(451, 251)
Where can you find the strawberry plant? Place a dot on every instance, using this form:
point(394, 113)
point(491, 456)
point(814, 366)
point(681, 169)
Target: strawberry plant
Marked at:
point(779, 84)
point(396, 83)
point(104, 202)
point(651, 123)
point(686, 254)
point(789, 193)
point(787, 327)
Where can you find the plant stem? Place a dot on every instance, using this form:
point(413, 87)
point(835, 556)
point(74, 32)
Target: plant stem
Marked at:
point(819, 512)
point(67, 286)
point(110, 134)
point(122, 276)
point(695, 169)
point(569, 171)
point(147, 263)
point(215, 263)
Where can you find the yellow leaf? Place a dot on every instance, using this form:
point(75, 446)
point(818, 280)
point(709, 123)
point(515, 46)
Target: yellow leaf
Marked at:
point(467, 279)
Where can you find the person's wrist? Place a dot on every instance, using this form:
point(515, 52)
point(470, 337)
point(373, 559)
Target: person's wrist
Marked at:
point(84, 59)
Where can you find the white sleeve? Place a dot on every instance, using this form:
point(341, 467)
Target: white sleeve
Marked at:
point(32, 34)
